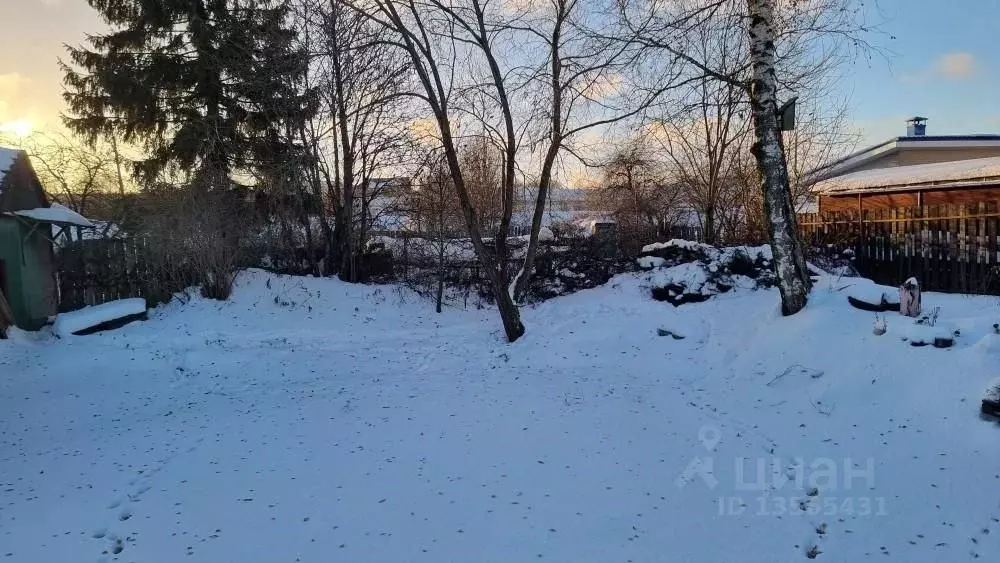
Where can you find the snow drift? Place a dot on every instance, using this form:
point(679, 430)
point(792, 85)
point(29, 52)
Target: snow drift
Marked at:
point(682, 271)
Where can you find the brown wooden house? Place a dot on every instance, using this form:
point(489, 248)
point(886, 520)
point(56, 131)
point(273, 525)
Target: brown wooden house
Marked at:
point(912, 171)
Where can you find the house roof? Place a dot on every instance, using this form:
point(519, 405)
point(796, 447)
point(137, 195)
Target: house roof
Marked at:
point(7, 158)
point(956, 174)
point(897, 144)
point(55, 214)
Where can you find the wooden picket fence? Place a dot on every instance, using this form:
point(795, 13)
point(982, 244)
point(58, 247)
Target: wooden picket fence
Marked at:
point(92, 272)
point(949, 248)
point(96, 271)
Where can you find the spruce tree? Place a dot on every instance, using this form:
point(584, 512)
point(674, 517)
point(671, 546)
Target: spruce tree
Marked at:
point(208, 88)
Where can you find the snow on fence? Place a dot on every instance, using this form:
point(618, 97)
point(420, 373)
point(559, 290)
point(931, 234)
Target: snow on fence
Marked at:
point(106, 315)
point(949, 248)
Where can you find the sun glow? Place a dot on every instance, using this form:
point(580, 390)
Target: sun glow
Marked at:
point(18, 128)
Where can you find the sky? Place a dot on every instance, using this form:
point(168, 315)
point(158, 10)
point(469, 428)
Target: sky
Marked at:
point(941, 61)
point(944, 65)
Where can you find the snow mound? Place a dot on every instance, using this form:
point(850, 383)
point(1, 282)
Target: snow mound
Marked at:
point(991, 400)
point(941, 334)
point(650, 262)
point(993, 391)
point(869, 296)
point(871, 292)
point(90, 317)
point(682, 271)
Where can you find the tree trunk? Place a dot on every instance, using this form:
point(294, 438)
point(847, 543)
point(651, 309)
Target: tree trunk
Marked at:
point(441, 243)
point(523, 276)
point(509, 314)
point(345, 222)
point(429, 75)
point(709, 228)
point(315, 182)
point(789, 260)
point(510, 146)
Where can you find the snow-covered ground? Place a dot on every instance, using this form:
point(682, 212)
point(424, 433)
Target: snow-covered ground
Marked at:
point(309, 420)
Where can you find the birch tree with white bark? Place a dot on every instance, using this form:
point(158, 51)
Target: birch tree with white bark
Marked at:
point(786, 244)
point(808, 36)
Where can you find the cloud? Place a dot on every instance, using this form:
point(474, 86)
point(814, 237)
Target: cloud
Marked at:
point(950, 66)
point(955, 65)
point(602, 86)
point(11, 82)
point(425, 131)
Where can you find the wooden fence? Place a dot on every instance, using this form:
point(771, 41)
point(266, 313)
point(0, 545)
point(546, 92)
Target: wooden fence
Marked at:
point(96, 271)
point(950, 248)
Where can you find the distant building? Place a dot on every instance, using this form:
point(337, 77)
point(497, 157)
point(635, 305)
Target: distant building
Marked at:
point(912, 170)
point(562, 205)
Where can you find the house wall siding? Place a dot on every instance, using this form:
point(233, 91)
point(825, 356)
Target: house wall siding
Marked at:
point(13, 259)
point(909, 157)
point(26, 250)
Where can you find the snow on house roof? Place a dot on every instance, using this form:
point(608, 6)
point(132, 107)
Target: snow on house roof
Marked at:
point(896, 144)
point(56, 214)
point(960, 173)
point(7, 158)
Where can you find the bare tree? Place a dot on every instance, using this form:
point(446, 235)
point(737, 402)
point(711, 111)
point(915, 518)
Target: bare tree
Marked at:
point(810, 35)
point(707, 135)
point(358, 133)
point(593, 78)
point(483, 164)
point(435, 208)
point(432, 36)
point(82, 177)
point(639, 194)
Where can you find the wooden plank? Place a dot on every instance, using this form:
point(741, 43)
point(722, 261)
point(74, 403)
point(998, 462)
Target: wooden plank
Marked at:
point(955, 264)
point(933, 247)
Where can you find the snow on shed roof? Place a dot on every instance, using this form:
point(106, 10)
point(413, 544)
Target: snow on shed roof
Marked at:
point(7, 158)
point(959, 173)
point(56, 214)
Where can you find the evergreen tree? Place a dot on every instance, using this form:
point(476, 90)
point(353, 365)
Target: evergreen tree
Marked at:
point(209, 87)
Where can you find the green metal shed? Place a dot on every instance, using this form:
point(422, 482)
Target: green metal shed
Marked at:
point(27, 261)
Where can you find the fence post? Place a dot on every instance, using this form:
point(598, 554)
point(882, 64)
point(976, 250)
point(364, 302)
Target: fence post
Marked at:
point(406, 258)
